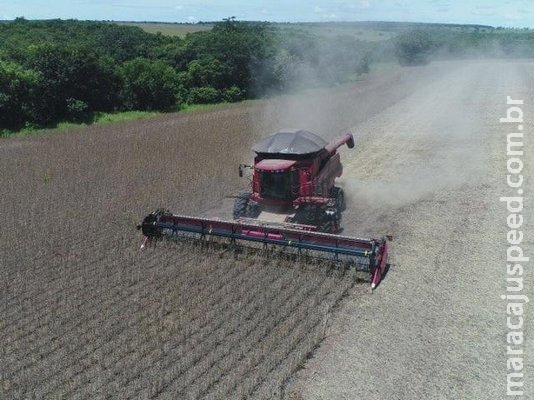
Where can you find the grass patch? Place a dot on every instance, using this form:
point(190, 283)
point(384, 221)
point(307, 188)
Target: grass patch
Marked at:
point(106, 118)
point(216, 106)
point(99, 118)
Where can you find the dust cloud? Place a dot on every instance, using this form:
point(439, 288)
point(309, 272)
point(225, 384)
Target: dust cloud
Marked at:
point(315, 95)
point(409, 149)
point(418, 149)
point(413, 186)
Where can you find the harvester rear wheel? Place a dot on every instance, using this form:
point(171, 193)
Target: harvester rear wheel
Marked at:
point(339, 195)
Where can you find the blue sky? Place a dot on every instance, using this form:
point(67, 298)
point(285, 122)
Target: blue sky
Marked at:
point(510, 13)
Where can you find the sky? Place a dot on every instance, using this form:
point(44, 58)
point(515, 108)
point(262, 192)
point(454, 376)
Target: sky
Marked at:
point(507, 13)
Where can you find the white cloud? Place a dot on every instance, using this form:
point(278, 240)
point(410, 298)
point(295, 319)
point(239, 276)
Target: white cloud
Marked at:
point(179, 7)
point(192, 19)
point(318, 10)
point(365, 4)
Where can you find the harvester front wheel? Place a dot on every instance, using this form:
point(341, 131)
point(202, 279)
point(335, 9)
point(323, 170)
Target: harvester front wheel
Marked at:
point(331, 221)
point(243, 208)
point(326, 219)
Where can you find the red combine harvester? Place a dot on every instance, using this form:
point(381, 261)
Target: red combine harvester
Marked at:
point(293, 181)
point(294, 205)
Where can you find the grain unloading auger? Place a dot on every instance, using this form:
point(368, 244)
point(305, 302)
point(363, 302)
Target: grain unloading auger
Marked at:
point(294, 206)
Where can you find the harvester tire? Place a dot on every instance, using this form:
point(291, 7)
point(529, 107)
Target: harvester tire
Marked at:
point(241, 206)
point(339, 195)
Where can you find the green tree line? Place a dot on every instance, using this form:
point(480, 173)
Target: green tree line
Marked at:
point(66, 69)
point(59, 70)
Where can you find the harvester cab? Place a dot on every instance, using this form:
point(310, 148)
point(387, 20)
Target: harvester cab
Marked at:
point(293, 181)
point(293, 206)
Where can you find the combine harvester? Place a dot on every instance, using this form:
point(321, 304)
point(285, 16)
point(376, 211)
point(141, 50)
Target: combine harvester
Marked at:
point(294, 206)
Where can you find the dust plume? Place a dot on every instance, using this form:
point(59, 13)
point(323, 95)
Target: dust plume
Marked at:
point(311, 91)
point(418, 150)
point(408, 149)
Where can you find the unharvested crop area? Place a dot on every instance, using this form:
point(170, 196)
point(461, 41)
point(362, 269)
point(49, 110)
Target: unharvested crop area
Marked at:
point(85, 314)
